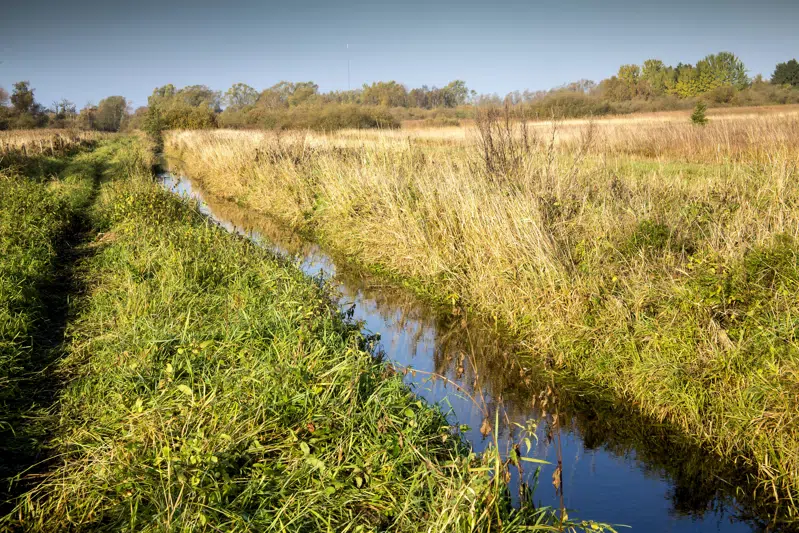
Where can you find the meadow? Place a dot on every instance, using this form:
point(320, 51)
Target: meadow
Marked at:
point(161, 374)
point(650, 258)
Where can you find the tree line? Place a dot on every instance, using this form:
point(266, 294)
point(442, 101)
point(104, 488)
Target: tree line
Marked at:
point(20, 110)
point(719, 79)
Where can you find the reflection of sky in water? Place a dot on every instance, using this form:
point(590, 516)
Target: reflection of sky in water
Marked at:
point(599, 483)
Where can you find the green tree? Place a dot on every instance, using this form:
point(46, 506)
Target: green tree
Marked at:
point(199, 96)
point(455, 93)
point(303, 92)
point(22, 97)
point(154, 126)
point(698, 116)
point(3, 97)
point(272, 99)
point(687, 81)
point(386, 93)
point(720, 69)
point(110, 113)
point(629, 75)
point(87, 119)
point(654, 75)
point(786, 73)
point(168, 97)
point(616, 90)
point(419, 97)
point(241, 95)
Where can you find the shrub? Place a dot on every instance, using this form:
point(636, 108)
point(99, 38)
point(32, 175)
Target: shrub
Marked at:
point(698, 116)
point(329, 118)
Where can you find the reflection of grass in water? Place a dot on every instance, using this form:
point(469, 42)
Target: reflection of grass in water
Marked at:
point(702, 483)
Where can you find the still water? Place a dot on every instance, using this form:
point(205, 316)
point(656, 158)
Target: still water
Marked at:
point(617, 467)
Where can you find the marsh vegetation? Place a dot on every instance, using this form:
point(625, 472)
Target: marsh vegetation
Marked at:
point(651, 258)
point(195, 381)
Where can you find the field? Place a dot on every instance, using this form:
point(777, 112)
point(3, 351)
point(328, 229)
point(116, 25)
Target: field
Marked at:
point(652, 259)
point(160, 374)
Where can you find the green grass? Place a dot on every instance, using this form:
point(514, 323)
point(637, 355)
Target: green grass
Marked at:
point(37, 214)
point(31, 219)
point(212, 387)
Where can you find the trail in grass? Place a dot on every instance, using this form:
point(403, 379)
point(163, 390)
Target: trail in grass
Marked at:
point(30, 413)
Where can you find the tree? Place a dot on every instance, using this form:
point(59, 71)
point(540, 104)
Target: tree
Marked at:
point(168, 97)
point(271, 99)
point(698, 116)
point(199, 96)
point(110, 113)
point(22, 97)
point(3, 97)
point(154, 126)
point(88, 117)
point(616, 89)
point(455, 93)
point(390, 94)
point(419, 97)
point(191, 107)
point(720, 69)
point(241, 95)
point(580, 86)
point(302, 92)
point(654, 75)
point(64, 109)
point(786, 73)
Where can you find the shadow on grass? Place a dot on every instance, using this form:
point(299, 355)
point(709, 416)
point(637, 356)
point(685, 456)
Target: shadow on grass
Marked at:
point(31, 415)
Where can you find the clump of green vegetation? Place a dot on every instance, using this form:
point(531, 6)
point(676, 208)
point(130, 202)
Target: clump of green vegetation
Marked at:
point(649, 236)
point(698, 117)
point(211, 386)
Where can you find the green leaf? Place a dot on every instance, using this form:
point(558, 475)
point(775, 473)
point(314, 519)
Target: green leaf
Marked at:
point(185, 390)
point(304, 447)
point(315, 462)
point(534, 460)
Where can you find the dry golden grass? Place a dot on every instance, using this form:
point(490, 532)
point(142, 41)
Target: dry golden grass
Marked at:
point(655, 259)
point(44, 142)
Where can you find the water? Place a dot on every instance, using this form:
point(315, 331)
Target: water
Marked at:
point(617, 467)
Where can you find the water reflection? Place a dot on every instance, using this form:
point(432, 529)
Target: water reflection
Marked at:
point(617, 467)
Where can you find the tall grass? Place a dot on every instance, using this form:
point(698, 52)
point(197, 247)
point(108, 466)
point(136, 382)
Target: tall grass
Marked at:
point(658, 261)
point(38, 214)
point(49, 142)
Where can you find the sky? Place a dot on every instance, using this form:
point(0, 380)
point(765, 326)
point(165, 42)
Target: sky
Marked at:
point(87, 50)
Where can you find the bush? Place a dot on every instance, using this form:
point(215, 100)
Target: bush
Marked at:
point(329, 118)
point(190, 118)
point(723, 94)
point(567, 104)
point(698, 116)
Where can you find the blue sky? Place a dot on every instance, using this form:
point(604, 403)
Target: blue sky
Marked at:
point(87, 50)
